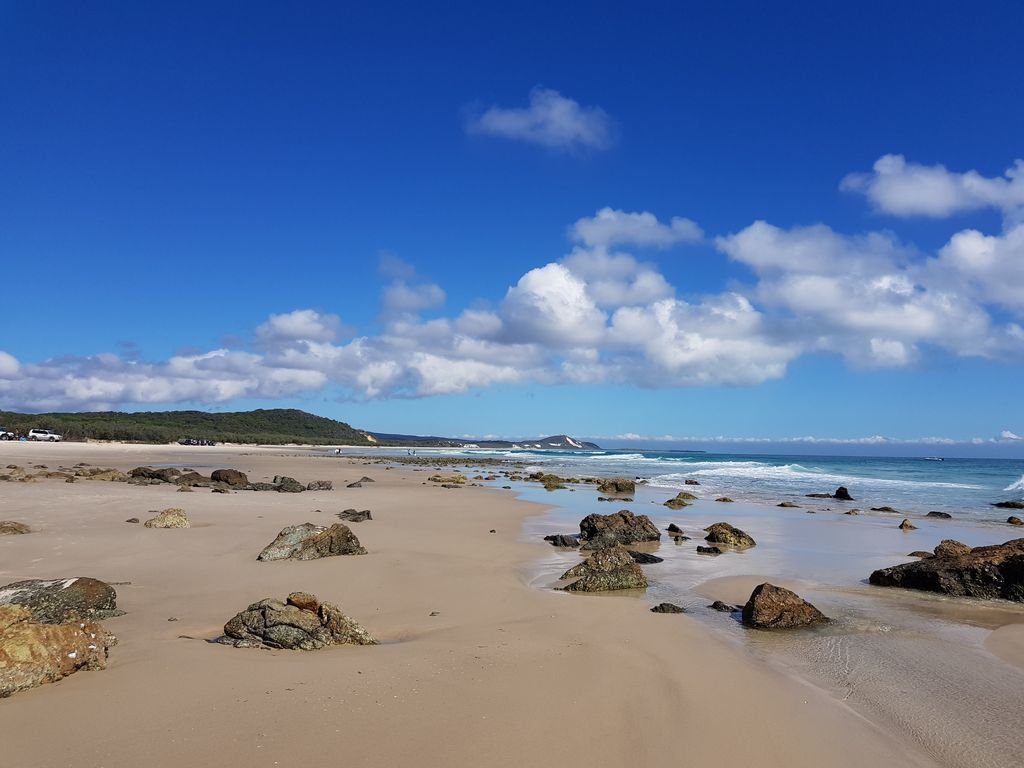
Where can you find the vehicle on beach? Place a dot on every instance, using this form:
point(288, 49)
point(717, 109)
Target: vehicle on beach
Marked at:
point(5, 435)
point(44, 435)
point(193, 441)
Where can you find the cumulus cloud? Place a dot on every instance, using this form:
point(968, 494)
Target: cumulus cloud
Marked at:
point(909, 189)
point(597, 314)
point(1008, 435)
point(551, 120)
point(610, 227)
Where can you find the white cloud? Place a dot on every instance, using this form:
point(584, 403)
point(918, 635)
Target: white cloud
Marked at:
point(550, 305)
point(402, 297)
point(300, 325)
point(910, 189)
point(610, 227)
point(988, 267)
point(551, 120)
point(1008, 435)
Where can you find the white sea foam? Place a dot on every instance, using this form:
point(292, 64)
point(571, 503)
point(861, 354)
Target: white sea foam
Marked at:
point(793, 473)
point(1017, 486)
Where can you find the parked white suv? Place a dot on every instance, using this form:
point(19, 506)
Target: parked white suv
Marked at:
point(5, 435)
point(44, 434)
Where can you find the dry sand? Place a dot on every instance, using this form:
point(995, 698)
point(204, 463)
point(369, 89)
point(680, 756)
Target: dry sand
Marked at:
point(505, 675)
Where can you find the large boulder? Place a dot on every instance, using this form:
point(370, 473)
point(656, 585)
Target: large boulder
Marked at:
point(230, 477)
point(995, 571)
point(302, 622)
point(608, 569)
point(723, 533)
point(168, 518)
point(310, 542)
point(622, 527)
point(13, 528)
point(33, 653)
point(617, 486)
point(842, 494)
point(55, 601)
point(771, 607)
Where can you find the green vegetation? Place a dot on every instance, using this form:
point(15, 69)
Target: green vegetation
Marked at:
point(264, 427)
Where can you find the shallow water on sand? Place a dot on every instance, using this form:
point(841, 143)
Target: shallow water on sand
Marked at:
point(915, 663)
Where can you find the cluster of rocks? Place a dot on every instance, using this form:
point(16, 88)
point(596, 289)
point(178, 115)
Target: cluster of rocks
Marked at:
point(221, 480)
point(300, 622)
point(680, 500)
point(995, 571)
point(48, 630)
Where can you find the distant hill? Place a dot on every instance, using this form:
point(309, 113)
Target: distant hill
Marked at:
point(264, 427)
point(555, 442)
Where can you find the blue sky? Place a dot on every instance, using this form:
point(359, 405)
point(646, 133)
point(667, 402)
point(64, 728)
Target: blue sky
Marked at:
point(693, 221)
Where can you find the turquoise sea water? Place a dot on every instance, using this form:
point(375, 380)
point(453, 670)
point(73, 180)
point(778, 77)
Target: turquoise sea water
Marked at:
point(908, 484)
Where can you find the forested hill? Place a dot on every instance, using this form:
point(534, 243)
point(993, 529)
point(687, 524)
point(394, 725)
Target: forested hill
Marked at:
point(266, 427)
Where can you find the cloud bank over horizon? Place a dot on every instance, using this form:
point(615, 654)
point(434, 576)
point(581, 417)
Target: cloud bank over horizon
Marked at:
point(601, 314)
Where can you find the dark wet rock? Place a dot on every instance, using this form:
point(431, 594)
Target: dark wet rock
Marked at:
point(951, 548)
point(55, 601)
point(708, 550)
point(320, 485)
point(668, 608)
point(357, 484)
point(189, 479)
point(310, 542)
point(690, 481)
point(673, 528)
point(285, 484)
point(354, 516)
point(1009, 504)
point(608, 569)
point(168, 518)
point(723, 533)
point(643, 558)
point(724, 499)
point(33, 653)
point(678, 538)
point(852, 512)
point(568, 541)
point(302, 622)
point(232, 477)
point(165, 475)
point(365, 479)
point(818, 495)
point(132, 520)
point(1013, 520)
point(617, 486)
point(680, 500)
point(13, 528)
point(939, 515)
point(995, 571)
point(842, 494)
point(622, 527)
point(771, 607)
point(787, 504)
point(906, 525)
point(260, 487)
point(919, 553)
point(718, 605)
point(885, 509)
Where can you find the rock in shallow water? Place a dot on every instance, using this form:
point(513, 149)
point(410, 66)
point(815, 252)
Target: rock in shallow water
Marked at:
point(619, 486)
point(55, 601)
point(34, 653)
point(718, 605)
point(622, 527)
point(565, 540)
point(723, 533)
point(302, 622)
point(996, 571)
point(310, 542)
point(667, 608)
point(771, 607)
point(608, 569)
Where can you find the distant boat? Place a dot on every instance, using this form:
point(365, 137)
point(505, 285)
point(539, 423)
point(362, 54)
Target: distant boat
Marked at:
point(933, 458)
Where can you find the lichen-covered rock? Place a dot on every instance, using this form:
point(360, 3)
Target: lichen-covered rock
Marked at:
point(355, 516)
point(995, 571)
point(708, 550)
point(33, 653)
point(608, 569)
point(617, 486)
point(724, 499)
point(951, 548)
point(302, 622)
point(771, 607)
point(232, 477)
point(105, 475)
point(163, 475)
point(189, 479)
point(310, 542)
point(723, 533)
point(55, 601)
point(168, 518)
point(680, 500)
point(320, 485)
point(285, 484)
point(13, 528)
point(622, 527)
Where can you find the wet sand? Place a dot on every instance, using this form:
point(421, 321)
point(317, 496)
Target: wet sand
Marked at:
point(504, 675)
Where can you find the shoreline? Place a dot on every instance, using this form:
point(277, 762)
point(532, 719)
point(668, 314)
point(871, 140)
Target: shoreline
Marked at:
point(510, 668)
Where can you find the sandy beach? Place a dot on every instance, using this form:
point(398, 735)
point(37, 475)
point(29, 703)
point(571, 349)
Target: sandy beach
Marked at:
point(504, 674)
